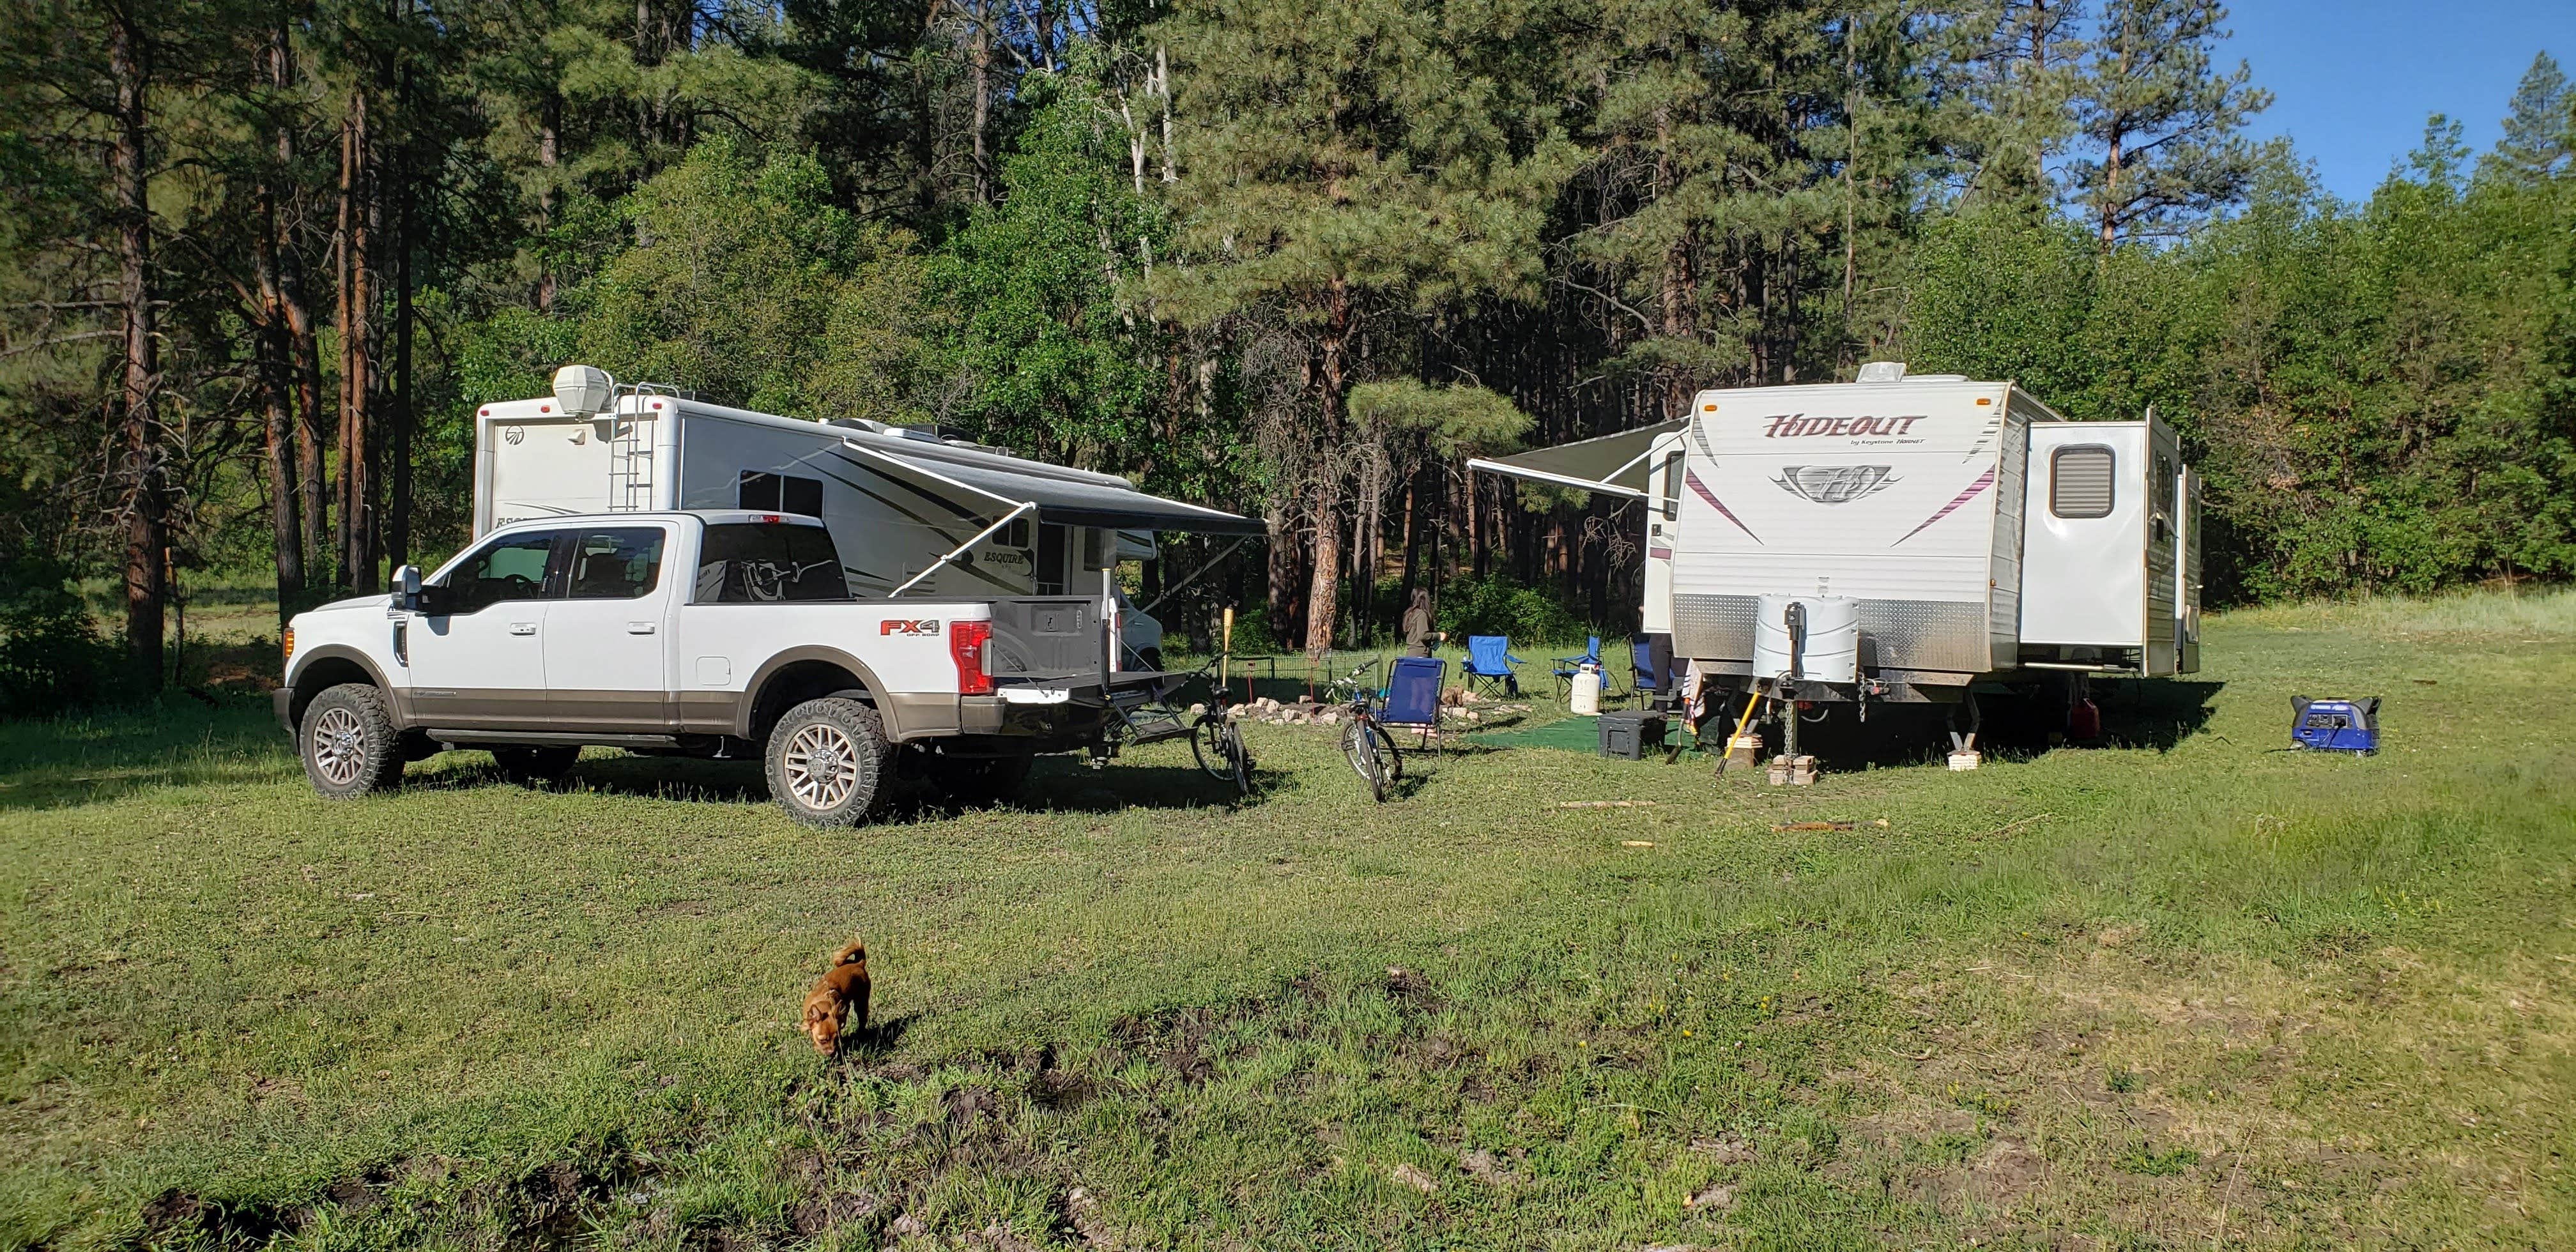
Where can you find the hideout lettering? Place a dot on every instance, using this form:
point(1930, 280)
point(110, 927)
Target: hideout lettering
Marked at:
point(1793, 425)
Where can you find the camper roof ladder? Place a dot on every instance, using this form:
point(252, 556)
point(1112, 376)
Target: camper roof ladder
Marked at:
point(630, 465)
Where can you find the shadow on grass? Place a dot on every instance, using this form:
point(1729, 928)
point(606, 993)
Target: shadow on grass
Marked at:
point(1059, 784)
point(2158, 714)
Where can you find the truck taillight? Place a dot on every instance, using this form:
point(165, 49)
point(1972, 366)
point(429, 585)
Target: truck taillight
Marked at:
point(966, 642)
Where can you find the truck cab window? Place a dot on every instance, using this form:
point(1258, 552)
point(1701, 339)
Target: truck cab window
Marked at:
point(618, 564)
point(512, 568)
point(754, 562)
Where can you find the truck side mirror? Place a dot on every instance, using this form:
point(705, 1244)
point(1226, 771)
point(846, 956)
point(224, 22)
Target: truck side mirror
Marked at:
point(407, 589)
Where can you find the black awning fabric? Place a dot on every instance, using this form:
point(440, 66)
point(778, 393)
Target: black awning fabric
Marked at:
point(1069, 502)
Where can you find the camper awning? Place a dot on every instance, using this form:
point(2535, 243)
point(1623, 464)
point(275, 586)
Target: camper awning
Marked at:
point(1091, 501)
point(1611, 463)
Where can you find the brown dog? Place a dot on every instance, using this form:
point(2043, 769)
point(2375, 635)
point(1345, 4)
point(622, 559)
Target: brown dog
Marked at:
point(844, 989)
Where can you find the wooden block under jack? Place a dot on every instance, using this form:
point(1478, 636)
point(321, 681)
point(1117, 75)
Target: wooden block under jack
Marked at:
point(1961, 762)
point(1742, 751)
point(1793, 771)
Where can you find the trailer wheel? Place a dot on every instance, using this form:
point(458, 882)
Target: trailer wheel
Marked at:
point(349, 743)
point(827, 762)
point(535, 767)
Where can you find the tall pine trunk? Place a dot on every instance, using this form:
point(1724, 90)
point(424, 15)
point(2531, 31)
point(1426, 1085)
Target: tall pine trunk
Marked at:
point(357, 554)
point(1333, 385)
point(141, 474)
point(277, 397)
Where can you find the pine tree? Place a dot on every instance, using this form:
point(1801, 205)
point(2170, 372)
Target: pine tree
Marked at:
point(2167, 127)
point(1345, 166)
point(2540, 129)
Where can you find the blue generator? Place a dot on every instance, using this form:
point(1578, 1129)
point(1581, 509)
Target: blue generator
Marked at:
point(2335, 725)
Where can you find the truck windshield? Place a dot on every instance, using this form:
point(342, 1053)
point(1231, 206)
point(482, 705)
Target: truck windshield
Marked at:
point(750, 562)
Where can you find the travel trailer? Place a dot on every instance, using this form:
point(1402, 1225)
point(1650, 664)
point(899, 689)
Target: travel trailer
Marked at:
point(911, 513)
point(1904, 538)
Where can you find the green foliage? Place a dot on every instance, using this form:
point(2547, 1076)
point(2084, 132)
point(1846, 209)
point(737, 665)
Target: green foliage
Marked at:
point(1498, 605)
point(741, 278)
point(1458, 420)
point(2378, 395)
point(51, 656)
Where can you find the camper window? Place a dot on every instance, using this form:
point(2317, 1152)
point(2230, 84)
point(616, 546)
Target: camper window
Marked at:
point(1673, 487)
point(618, 564)
point(2080, 481)
point(752, 562)
point(780, 493)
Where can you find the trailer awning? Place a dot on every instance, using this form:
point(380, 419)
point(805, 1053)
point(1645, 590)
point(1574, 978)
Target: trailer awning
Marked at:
point(1611, 463)
point(1090, 501)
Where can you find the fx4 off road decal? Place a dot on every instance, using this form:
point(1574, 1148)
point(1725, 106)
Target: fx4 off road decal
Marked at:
point(898, 626)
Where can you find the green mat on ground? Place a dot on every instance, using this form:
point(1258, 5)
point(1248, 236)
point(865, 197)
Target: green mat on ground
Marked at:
point(1573, 734)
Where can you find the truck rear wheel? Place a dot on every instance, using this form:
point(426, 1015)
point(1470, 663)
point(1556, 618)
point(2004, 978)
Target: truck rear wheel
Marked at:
point(827, 762)
point(349, 743)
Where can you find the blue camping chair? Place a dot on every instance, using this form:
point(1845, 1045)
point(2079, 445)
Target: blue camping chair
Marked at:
point(1489, 657)
point(1649, 685)
point(1568, 666)
point(1413, 697)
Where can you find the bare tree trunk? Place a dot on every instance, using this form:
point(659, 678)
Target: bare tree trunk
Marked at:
point(549, 138)
point(277, 388)
point(140, 474)
point(398, 521)
point(1333, 388)
point(357, 554)
point(1679, 320)
point(982, 53)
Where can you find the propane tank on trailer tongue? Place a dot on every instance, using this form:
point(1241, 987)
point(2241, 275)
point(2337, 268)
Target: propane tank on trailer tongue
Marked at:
point(1809, 638)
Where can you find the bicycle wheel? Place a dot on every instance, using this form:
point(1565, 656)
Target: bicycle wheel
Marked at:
point(1362, 745)
point(1210, 738)
point(1230, 741)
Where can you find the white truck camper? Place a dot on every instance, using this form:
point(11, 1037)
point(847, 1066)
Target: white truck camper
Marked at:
point(1903, 539)
point(912, 514)
point(676, 578)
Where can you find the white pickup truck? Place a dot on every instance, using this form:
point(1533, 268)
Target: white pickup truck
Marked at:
point(703, 633)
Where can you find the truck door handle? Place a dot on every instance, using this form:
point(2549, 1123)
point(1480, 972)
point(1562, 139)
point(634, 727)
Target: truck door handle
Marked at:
point(639, 628)
point(523, 628)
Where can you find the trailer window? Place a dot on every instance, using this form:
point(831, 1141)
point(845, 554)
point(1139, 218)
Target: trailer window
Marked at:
point(779, 493)
point(618, 564)
point(755, 562)
point(1673, 487)
point(2080, 482)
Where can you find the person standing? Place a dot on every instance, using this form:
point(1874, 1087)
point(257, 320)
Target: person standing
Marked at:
point(1418, 634)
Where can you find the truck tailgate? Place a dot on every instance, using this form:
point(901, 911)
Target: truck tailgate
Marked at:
point(1047, 637)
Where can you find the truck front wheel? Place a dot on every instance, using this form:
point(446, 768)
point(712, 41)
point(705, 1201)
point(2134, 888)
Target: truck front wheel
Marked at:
point(349, 743)
point(827, 762)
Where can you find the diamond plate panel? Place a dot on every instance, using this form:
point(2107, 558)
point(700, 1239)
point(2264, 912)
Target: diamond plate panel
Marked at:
point(1714, 628)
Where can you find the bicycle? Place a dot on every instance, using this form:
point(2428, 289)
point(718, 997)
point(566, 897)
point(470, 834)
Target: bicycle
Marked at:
point(1216, 740)
point(1365, 742)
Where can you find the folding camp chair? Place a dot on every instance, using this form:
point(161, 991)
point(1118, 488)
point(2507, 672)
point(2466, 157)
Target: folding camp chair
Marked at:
point(1568, 666)
point(1413, 697)
point(1650, 686)
point(1489, 657)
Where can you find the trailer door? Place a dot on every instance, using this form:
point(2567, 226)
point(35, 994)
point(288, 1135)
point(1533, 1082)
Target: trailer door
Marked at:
point(2187, 575)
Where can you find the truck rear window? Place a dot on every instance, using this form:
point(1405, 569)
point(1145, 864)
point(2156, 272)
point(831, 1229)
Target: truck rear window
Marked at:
point(751, 562)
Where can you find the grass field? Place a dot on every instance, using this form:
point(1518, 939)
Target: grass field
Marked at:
point(2193, 992)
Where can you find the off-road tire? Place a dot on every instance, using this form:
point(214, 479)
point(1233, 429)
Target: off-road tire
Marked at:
point(536, 767)
point(348, 742)
point(978, 779)
point(828, 761)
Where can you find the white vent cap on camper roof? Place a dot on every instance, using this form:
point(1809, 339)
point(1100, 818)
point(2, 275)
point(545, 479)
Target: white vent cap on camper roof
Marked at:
point(1873, 372)
point(584, 390)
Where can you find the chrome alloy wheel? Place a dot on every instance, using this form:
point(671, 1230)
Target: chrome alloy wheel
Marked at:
point(339, 746)
point(822, 765)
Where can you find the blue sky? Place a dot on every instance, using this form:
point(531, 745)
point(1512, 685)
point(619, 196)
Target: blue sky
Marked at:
point(2352, 80)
